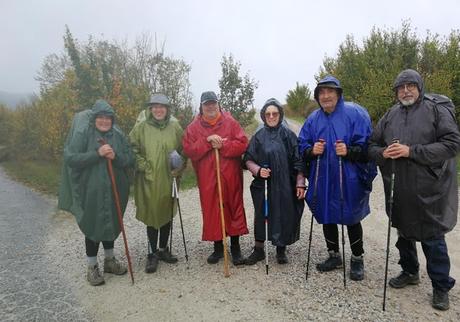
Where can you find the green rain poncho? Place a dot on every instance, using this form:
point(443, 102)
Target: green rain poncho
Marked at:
point(86, 189)
point(152, 142)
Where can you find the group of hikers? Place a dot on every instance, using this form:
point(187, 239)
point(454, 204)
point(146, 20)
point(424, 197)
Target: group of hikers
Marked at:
point(414, 144)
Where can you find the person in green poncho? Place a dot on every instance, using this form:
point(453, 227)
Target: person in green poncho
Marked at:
point(156, 143)
point(86, 189)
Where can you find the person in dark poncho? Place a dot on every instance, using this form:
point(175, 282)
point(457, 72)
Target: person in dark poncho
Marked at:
point(425, 179)
point(273, 155)
point(86, 190)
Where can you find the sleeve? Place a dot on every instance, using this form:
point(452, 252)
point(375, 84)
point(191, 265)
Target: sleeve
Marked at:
point(236, 144)
point(76, 156)
point(305, 141)
point(357, 150)
point(141, 163)
point(123, 155)
point(376, 144)
point(195, 146)
point(447, 143)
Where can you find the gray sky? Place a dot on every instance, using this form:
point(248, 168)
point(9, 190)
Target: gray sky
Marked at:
point(278, 41)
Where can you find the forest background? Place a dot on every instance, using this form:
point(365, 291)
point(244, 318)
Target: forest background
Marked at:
point(33, 134)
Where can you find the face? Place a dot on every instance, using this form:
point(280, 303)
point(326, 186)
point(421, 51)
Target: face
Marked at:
point(159, 111)
point(328, 98)
point(210, 109)
point(408, 93)
point(272, 116)
point(103, 123)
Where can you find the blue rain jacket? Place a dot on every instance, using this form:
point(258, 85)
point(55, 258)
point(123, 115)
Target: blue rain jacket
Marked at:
point(350, 123)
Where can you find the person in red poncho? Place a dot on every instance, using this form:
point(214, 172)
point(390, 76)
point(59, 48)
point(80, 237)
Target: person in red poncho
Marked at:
point(215, 129)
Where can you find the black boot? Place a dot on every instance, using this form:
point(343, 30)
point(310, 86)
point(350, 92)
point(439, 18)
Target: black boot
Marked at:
point(237, 258)
point(166, 256)
point(281, 255)
point(257, 255)
point(333, 262)
point(440, 300)
point(152, 263)
point(217, 254)
point(404, 279)
point(356, 268)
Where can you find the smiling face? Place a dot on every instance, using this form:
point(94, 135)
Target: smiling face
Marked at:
point(328, 98)
point(103, 123)
point(210, 109)
point(272, 116)
point(408, 93)
point(159, 111)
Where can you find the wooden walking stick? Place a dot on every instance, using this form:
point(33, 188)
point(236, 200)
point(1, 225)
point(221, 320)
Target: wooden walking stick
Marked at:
point(222, 218)
point(119, 213)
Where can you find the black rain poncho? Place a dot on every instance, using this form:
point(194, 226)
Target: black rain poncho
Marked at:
point(276, 148)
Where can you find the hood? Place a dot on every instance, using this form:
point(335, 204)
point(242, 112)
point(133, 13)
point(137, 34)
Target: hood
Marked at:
point(328, 81)
point(410, 76)
point(102, 107)
point(275, 102)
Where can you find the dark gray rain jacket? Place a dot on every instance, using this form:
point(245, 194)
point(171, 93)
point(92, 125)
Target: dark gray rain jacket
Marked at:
point(425, 190)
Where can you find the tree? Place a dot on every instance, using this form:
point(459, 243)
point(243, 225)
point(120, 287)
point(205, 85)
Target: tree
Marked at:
point(298, 98)
point(236, 92)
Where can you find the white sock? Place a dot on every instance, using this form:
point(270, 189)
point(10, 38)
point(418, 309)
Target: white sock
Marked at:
point(108, 253)
point(92, 261)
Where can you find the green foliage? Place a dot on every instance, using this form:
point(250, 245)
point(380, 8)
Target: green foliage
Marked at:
point(236, 92)
point(298, 99)
point(367, 72)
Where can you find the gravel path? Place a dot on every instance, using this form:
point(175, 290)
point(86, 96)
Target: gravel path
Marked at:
point(199, 292)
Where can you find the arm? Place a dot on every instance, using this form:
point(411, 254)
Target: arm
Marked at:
point(235, 145)
point(141, 162)
point(195, 146)
point(123, 155)
point(76, 156)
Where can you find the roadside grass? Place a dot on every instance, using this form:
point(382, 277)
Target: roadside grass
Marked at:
point(43, 176)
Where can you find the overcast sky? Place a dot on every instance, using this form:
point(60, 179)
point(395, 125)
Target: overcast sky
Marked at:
point(279, 42)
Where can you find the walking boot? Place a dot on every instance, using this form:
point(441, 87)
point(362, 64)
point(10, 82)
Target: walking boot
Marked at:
point(93, 276)
point(333, 262)
point(356, 268)
point(404, 279)
point(281, 255)
point(237, 258)
point(152, 263)
point(113, 266)
point(166, 256)
point(257, 255)
point(217, 254)
point(440, 300)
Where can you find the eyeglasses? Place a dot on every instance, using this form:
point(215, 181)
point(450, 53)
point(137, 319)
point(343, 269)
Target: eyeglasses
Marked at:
point(274, 114)
point(409, 87)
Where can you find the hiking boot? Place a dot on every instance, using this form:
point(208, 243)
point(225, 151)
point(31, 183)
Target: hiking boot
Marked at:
point(237, 258)
point(440, 300)
point(257, 255)
point(93, 275)
point(356, 268)
point(404, 279)
point(152, 263)
point(217, 254)
point(166, 256)
point(113, 266)
point(333, 262)
point(281, 255)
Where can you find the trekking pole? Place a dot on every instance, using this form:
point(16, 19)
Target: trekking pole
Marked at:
point(119, 212)
point(222, 218)
point(315, 193)
point(266, 220)
point(171, 229)
point(176, 197)
point(341, 215)
point(390, 212)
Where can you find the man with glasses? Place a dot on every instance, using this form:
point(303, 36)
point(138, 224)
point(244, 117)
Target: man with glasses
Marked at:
point(335, 136)
point(418, 140)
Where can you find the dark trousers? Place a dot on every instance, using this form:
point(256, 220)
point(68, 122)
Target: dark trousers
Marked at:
point(92, 247)
point(152, 235)
point(437, 260)
point(355, 236)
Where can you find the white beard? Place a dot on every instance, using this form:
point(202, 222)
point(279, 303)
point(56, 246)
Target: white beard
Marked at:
point(408, 102)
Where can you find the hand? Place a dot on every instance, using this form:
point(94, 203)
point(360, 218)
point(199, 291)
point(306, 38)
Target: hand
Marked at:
point(265, 173)
point(318, 147)
point(341, 149)
point(176, 173)
point(300, 192)
point(396, 151)
point(215, 140)
point(106, 151)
